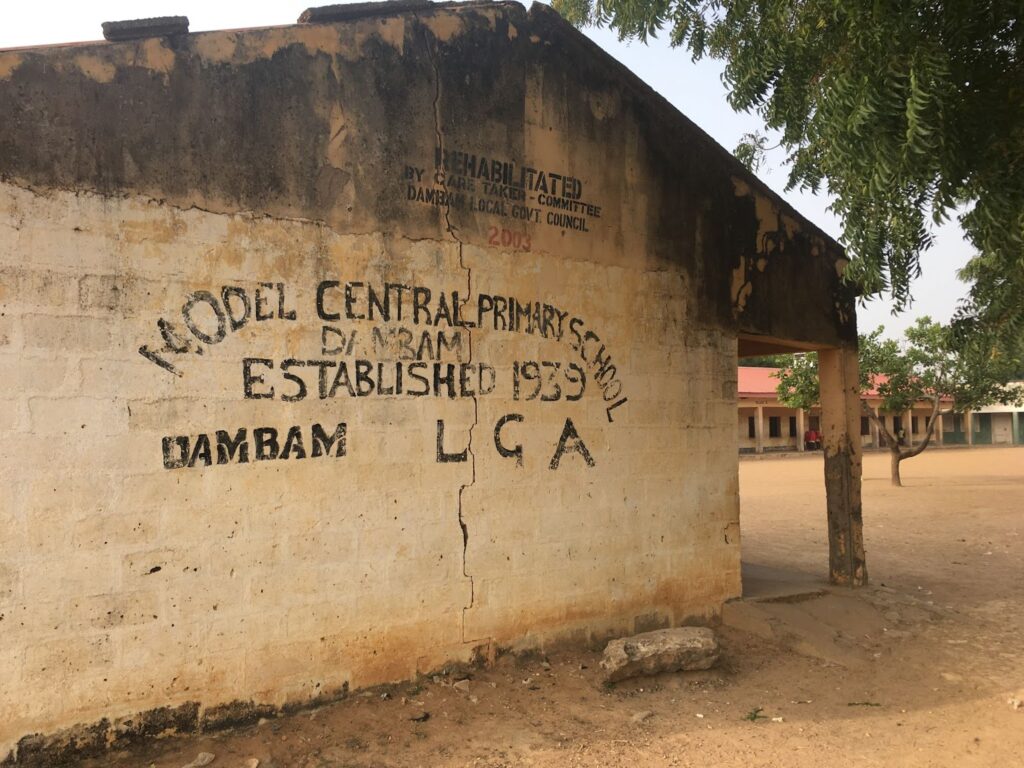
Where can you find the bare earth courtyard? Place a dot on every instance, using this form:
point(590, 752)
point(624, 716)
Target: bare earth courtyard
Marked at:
point(920, 669)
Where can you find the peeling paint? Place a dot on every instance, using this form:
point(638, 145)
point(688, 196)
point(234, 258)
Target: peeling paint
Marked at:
point(154, 54)
point(740, 187)
point(741, 287)
point(345, 40)
point(446, 27)
point(96, 68)
point(215, 47)
point(790, 225)
point(392, 32)
point(9, 62)
point(604, 105)
point(768, 223)
point(240, 48)
point(742, 295)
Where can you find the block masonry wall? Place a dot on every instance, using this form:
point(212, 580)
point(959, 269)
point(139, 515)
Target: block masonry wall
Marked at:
point(147, 561)
point(262, 442)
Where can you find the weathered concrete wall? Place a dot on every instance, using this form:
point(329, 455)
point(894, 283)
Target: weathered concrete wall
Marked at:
point(198, 237)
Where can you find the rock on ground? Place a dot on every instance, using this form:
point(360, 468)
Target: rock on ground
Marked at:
point(664, 650)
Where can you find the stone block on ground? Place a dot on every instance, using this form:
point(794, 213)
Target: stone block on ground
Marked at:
point(663, 650)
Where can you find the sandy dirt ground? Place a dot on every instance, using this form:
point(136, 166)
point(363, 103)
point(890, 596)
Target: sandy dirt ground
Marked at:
point(917, 670)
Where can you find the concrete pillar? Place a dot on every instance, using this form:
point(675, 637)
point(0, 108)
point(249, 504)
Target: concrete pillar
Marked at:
point(939, 429)
point(969, 427)
point(759, 429)
point(840, 425)
point(801, 428)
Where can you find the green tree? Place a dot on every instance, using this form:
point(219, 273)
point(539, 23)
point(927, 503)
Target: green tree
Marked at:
point(925, 368)
point(766, 361)
point(907, 111)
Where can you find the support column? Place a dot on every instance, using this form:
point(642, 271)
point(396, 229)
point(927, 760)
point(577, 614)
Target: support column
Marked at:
point(840, 424)
point(801, 428)
point(969, 427)
point(939, 431)
point(759, 429)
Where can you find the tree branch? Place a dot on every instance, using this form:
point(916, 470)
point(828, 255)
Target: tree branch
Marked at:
point(878, 422)
point(927, 435)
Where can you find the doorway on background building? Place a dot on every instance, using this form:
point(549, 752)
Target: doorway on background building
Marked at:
point(982, 428)
point(882, 442)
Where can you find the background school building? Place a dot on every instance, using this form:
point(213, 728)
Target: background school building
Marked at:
point(766, 425)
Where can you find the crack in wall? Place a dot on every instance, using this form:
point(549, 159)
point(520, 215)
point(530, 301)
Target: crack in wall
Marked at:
point(452, 230)
point(160, 202)
point(252, 214)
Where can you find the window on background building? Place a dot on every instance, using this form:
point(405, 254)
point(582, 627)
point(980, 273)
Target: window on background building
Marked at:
point(865, 425)
point(774, 426)
point(751, 429)
point(897, 424)
point(792, 426)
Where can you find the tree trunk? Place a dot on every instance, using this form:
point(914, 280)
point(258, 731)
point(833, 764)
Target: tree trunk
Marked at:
point(895, 457)
point(927, 435)
point(890, 440)
point(896, 454)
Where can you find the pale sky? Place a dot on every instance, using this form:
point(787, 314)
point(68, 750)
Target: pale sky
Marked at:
point(695, 89)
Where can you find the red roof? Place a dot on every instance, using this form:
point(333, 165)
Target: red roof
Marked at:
point(759, 382)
